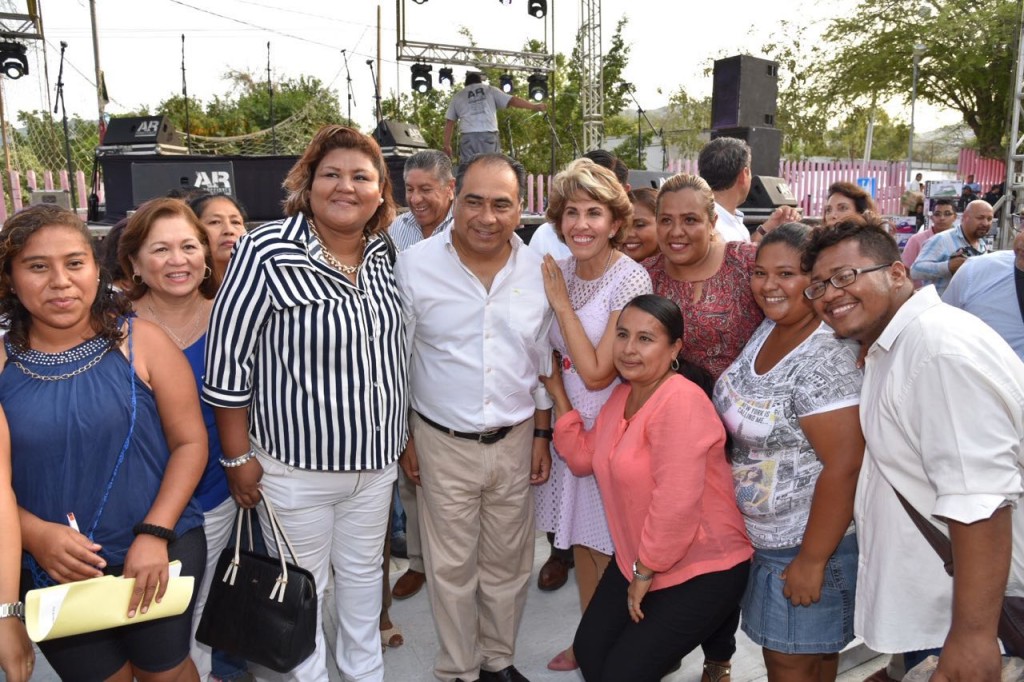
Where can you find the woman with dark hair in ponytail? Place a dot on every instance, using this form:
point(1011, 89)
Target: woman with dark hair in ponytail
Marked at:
point(657, 450)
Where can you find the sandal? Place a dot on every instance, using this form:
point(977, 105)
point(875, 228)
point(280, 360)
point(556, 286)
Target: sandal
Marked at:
point(715, 671)
point(391, 638)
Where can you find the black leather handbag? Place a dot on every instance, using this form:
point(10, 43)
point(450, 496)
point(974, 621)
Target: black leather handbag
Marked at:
point(259, 607)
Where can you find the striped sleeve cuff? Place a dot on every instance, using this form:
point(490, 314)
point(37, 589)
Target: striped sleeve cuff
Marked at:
point(218, 397)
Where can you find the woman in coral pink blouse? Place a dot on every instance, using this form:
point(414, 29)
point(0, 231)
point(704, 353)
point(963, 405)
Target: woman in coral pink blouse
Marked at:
point(657, 450)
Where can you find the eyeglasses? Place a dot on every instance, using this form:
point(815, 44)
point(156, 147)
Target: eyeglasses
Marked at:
point(840, 280)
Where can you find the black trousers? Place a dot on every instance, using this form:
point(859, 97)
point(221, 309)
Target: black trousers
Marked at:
point(610, 647)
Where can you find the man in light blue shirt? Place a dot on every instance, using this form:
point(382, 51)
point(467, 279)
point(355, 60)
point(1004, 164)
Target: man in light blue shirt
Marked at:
point(945, 253)
point(987, 288)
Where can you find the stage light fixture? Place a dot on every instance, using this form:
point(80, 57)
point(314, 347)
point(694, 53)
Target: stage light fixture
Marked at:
point(13, 60)
point(445, 76)
point(537, 8)
point(538, 83)
point(419, 2)
point(507, 84)
point(421, 80)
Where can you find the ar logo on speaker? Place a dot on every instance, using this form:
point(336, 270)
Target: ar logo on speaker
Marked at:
point(214, 182)
point(148, 128)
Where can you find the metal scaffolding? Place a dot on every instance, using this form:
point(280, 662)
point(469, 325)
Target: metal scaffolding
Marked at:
point(592, 87)
point(1015, 153)
point(480, 57)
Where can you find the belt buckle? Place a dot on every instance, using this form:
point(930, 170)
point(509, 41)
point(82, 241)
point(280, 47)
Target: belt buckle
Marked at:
point(486, 435)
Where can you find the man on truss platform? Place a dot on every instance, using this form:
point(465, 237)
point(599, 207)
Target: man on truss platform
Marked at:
point(475, 107)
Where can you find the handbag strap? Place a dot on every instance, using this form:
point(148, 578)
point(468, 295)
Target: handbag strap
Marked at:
point(939, 542)
point(278, 532)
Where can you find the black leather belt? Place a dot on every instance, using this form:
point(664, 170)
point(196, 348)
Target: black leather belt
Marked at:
point(485, 438)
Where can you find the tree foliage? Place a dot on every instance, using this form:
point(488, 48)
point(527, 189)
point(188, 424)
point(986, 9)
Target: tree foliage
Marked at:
point(868, 53)
point(245, 108)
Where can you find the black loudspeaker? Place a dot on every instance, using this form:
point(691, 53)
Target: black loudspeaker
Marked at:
point(399, 134)
point(141, 130)
point(396, 170)
point(745, 90)
point(769, 192)
point(765, 147)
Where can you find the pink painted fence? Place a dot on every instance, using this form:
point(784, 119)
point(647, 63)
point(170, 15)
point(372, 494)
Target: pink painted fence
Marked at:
point(986, 172)
point(18, 199)
point(810, 180)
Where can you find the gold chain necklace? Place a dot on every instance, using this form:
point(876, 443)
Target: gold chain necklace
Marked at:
point(329, 257)
point(193, 326)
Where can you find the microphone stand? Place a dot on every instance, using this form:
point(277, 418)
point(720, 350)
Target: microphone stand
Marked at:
point(348, 81)
point(631, 89)
point(184, 93)
point(270, 93)
point(376, 91)
point(64, 121)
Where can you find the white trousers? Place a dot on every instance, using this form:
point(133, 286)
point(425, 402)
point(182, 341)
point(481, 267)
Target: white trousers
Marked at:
point(335, 521)
point(218, 523)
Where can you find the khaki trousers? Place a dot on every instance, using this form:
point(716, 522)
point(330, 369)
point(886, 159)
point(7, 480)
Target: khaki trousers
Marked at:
point(476, 519)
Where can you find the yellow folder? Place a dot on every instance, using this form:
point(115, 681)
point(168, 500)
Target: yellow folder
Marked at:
point(99, 604)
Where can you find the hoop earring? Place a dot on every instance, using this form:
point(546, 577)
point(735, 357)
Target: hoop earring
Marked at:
point(137, 278)
point(674, 364)
point(207, 273)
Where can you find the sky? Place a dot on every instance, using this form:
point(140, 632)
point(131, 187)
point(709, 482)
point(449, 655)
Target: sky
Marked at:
point(140, 45)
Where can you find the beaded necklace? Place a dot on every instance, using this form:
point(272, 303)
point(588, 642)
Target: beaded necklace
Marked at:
point(95, 348)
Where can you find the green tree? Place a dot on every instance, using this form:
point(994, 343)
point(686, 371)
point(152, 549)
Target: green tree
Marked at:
point(889, 139)
point(303, 102)
point(868, 53)
point(685, 122)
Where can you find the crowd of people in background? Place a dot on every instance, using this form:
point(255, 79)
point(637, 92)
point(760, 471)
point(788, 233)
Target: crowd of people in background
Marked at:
point(714, 425)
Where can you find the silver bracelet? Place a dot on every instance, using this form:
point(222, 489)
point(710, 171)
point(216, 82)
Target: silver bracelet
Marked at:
point(237, 461)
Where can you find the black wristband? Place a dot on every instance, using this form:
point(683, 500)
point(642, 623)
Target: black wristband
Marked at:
point(155, 531)
point(546, 434)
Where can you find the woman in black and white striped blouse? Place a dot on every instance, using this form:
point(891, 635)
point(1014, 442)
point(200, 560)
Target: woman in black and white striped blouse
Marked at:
point(307, 371)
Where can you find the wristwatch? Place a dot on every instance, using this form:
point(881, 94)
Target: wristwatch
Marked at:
point(640, 576)
point(13, 610)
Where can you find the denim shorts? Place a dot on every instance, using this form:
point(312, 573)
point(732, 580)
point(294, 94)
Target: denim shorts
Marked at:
point(770, 620)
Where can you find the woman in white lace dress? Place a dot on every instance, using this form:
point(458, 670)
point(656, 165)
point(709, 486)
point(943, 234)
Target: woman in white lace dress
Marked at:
point(590, 210)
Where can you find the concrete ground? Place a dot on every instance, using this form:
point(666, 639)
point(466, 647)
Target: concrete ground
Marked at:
point(548, 624)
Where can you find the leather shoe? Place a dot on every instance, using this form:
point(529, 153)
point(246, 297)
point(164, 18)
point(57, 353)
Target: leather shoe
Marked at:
point(553, 574)
point(509, 674)
point(408, 585)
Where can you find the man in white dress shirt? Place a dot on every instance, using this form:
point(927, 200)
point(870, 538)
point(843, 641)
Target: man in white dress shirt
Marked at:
point(942, 408)
point(477, 323)
point(725, 164)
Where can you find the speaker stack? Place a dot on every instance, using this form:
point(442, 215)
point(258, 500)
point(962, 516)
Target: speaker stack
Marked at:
point(398, 141)
point(743, 105)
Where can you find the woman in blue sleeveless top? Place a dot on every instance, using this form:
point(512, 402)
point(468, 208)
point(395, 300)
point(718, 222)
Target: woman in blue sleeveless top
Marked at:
point(166, 253)
point(107, 444)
